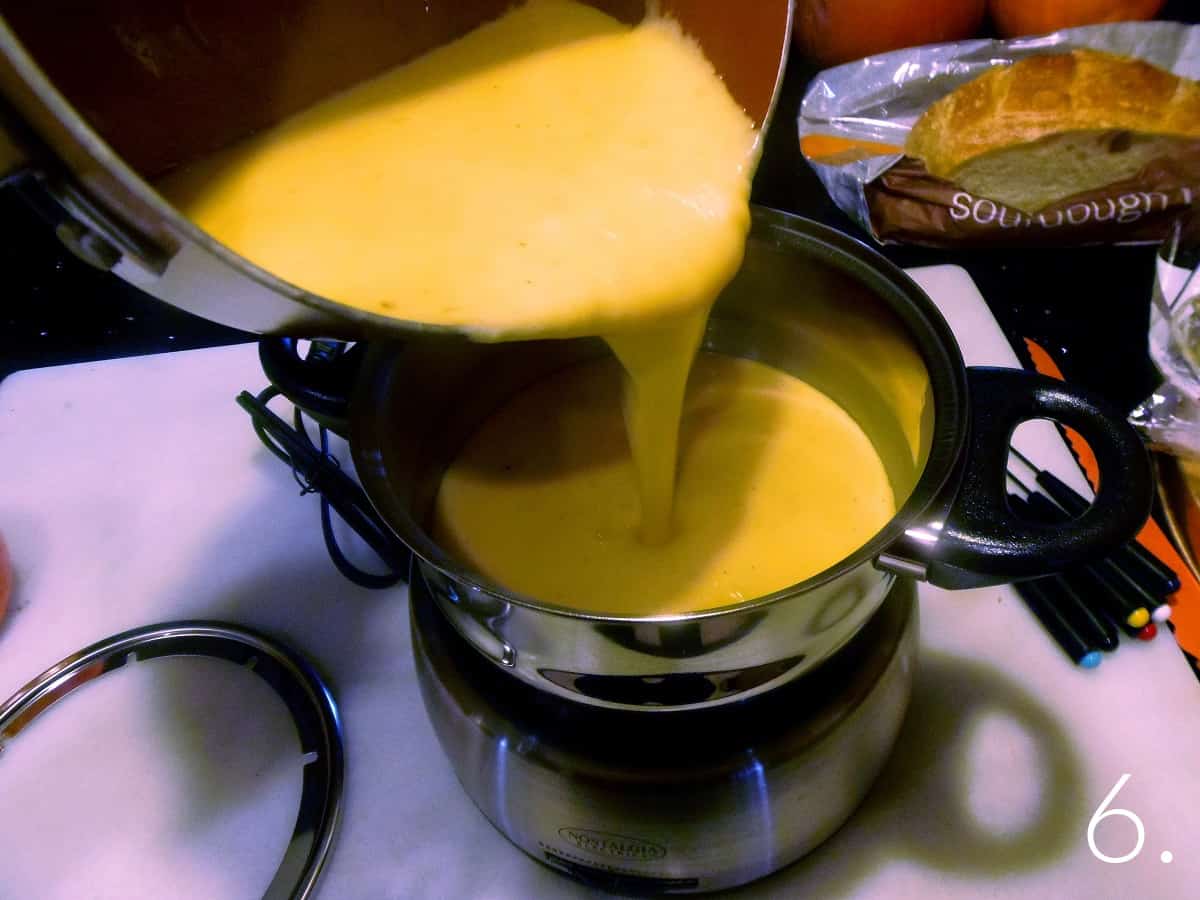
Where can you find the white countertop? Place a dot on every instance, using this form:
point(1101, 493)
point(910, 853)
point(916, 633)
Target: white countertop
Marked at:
point(135, 491)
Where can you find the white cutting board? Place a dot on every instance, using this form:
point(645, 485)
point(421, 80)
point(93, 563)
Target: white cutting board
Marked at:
point(134, 491)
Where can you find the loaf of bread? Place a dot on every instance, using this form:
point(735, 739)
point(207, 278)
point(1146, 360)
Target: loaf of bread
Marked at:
point(1049, 127)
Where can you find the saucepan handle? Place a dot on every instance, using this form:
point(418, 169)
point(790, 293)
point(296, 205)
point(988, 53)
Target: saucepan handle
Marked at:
point(981, 541)
point(321, 382)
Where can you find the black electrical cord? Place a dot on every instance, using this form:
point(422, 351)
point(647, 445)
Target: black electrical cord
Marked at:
point(348, 569)
point(316, 470)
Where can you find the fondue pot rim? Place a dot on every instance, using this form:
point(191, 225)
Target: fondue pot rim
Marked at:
point(926, 327)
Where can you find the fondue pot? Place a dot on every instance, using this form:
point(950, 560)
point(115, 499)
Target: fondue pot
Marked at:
point(686, 802)
point(810, 302)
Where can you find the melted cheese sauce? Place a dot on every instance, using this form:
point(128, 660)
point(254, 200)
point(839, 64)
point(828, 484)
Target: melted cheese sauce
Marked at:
point(556, 173)
point(776, 483)
point(552, 173)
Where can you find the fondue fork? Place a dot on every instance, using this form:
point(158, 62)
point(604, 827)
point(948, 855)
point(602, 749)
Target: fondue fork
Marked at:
point(1141, 596)
point(1150, 570)
point(1089, 603)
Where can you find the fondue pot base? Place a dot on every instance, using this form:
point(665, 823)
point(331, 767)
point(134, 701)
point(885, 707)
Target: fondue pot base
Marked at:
point(669, 802)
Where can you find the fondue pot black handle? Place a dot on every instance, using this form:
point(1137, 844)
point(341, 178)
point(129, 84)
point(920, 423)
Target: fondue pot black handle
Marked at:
point(320, 383)
point(981, 540)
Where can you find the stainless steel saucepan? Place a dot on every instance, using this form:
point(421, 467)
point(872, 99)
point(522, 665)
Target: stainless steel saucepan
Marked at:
point(99, 99)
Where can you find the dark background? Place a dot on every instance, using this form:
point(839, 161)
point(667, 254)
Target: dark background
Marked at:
point(1089, 307)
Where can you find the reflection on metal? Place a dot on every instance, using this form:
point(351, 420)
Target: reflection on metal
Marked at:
point(926, 534)
point(674, 690)
point(761, 801)
point(682, 639)
point(308, 700)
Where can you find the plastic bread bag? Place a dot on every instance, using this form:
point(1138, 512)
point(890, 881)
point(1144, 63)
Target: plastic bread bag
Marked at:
point(855, 119)
point(1170, 418)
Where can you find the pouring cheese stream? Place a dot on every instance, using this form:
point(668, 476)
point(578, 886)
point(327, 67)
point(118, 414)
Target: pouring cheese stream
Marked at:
point(552, 174)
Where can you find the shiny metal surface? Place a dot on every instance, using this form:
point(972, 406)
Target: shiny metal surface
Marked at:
point(677, 662)
point(807, 301)
point(181, 79)
point(312, 707)
point(679, 802)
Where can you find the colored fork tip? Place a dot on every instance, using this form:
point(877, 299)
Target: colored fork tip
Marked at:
point(1161, 613)
point(1090, 660)
point(1149, 633)
point(1138, 617)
